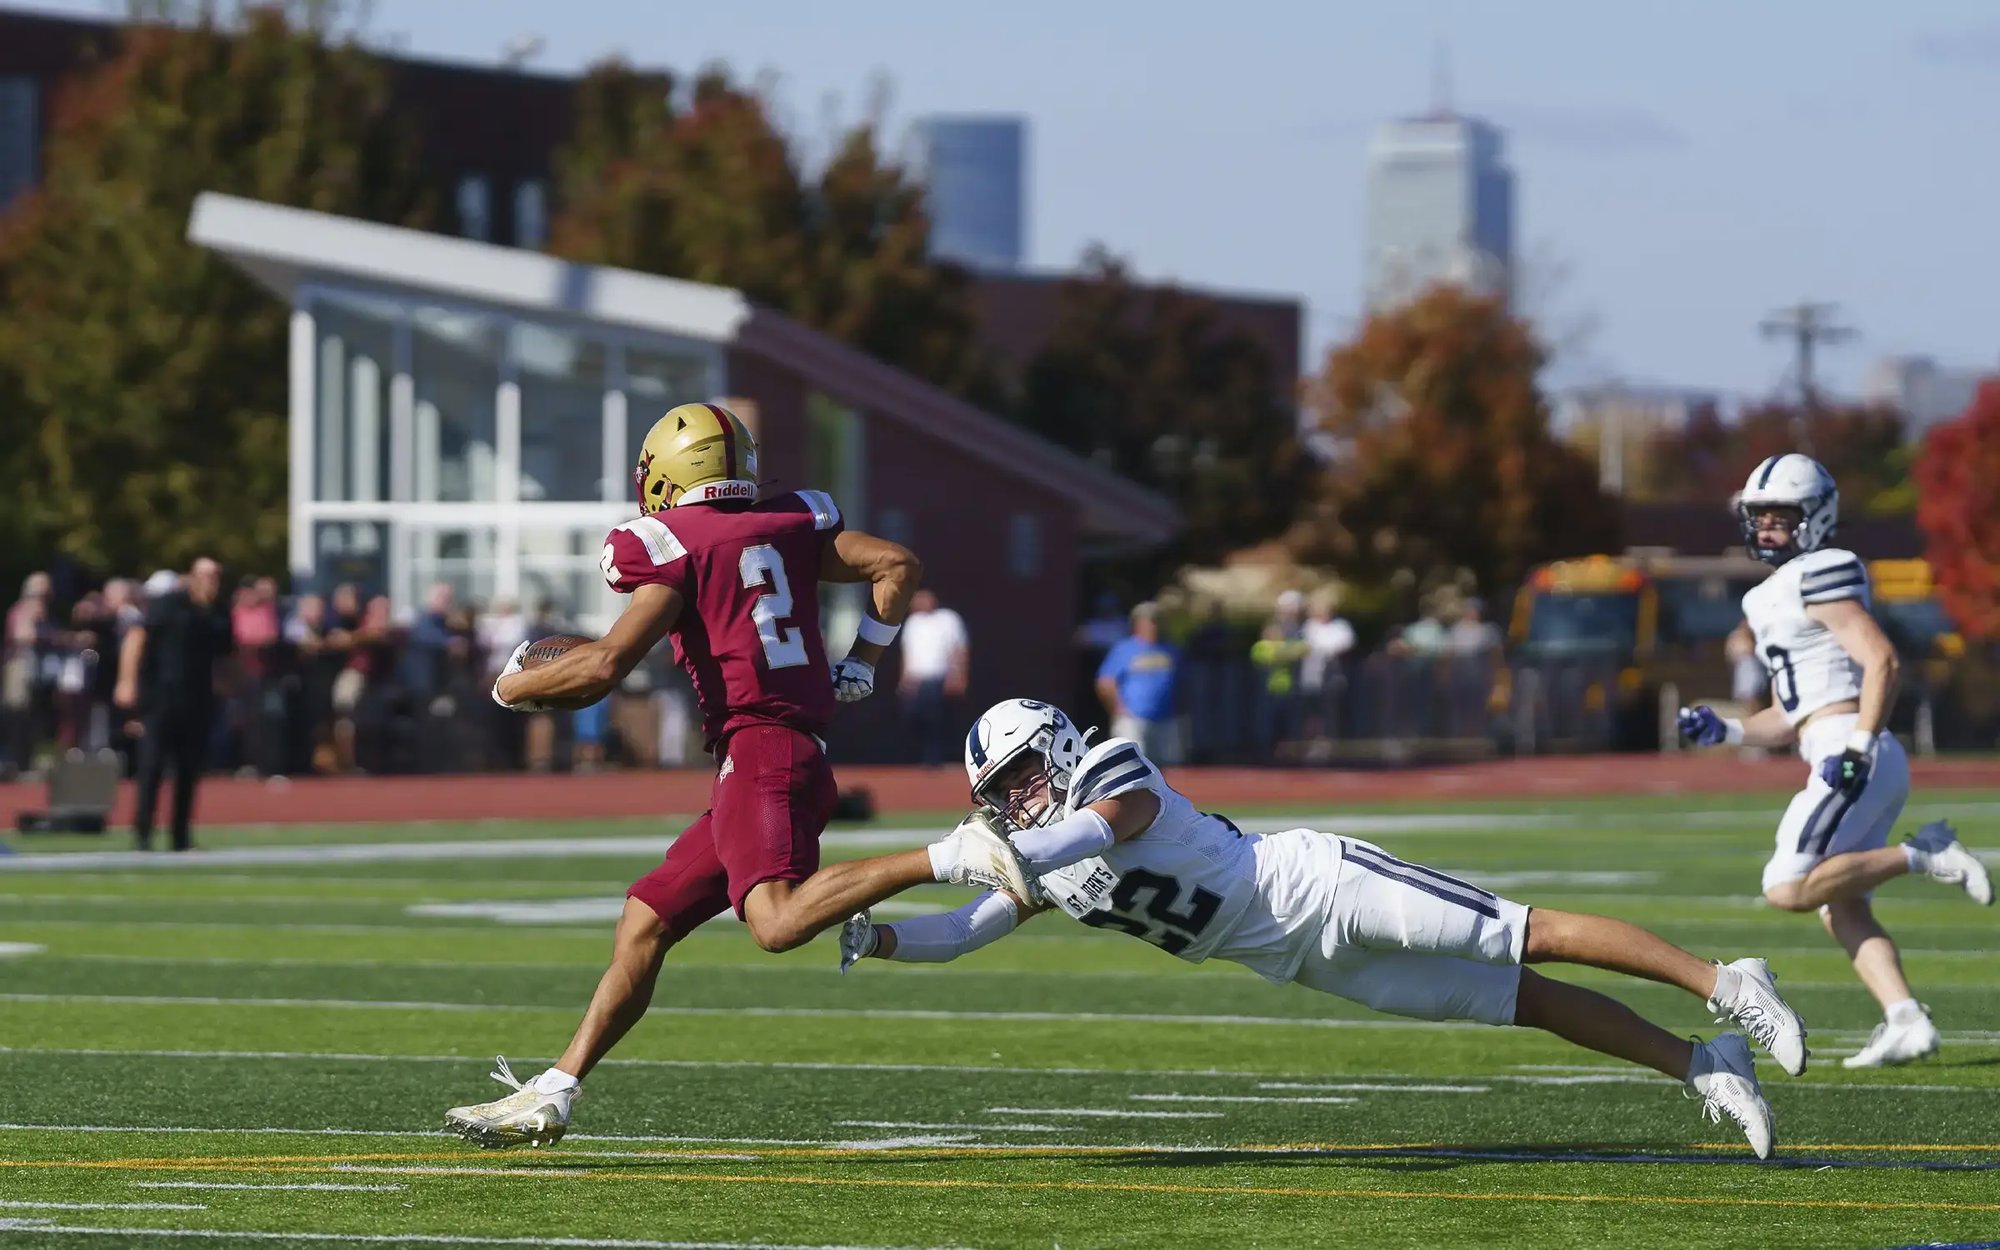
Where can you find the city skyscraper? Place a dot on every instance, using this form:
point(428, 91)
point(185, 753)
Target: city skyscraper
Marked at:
point(1440, 209)
point(975, 169)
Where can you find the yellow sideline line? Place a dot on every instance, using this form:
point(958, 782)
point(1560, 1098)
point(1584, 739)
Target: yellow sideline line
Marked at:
point(1258, 1191)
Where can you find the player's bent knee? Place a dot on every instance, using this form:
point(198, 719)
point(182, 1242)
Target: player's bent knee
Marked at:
point(1788, 896)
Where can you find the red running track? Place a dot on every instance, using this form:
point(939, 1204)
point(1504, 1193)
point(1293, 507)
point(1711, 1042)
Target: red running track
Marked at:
point(321, 800)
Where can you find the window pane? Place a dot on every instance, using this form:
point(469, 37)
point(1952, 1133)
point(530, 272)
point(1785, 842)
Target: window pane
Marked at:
point(463, 559)
point(1024, 545)
point(656, 381)
point(20, 133)
point(562, 413)
point(475, 207)
point(354, 552)
point(531, 214)
point(561, 567)
point(355, 363)
point(455, 364)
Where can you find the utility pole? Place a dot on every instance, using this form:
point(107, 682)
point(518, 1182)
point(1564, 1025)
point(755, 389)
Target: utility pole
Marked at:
point(1807, 325)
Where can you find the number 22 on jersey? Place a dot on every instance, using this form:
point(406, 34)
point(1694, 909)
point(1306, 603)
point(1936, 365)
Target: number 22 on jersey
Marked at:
point(762, 566)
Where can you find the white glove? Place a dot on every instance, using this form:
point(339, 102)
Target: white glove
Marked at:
point(853, 680)
point(858, 940)
point(977, 853)
point(514, 666)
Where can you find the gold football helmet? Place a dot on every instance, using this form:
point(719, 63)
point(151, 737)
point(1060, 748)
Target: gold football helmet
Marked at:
point(697, 453)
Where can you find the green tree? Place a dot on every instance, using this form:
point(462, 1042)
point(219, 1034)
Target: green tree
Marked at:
point(1444, 456)
point(1150, 385)
point(714, 193)
point(148, 422)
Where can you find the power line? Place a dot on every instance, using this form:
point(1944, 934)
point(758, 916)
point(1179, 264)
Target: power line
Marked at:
point(1808, 325)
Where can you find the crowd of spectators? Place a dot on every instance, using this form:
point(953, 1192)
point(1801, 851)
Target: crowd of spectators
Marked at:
point(326, 684)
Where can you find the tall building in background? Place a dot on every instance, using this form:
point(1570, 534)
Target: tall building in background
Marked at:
point(976, 171)
point(1440, 209)
point(1925, 391)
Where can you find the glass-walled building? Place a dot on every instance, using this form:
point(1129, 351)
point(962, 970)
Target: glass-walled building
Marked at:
point(469, 414)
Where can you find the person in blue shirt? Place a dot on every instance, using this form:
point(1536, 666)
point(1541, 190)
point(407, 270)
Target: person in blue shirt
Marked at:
point(1137, 683)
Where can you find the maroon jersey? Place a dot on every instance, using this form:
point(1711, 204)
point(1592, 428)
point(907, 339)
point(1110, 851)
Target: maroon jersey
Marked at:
point(749, 573)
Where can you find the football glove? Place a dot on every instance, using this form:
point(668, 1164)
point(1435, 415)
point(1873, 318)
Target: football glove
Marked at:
point(853, 680)
point(514, 666)
point(1701, 726)
point(977, 853)
point(1848, 772)
point(858, 940)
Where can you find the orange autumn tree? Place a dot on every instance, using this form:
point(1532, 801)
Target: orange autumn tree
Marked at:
point(1958, 490)
point(1443, 457)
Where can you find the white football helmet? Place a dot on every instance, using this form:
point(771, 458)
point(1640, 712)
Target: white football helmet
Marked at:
point(1002, 735)
point(1790, 481)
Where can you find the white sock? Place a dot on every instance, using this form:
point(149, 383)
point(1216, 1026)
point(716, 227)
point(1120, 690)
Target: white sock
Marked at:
point(554, 1081)
point(1727, 982)
point(944, 858)
point(1903, 1011)
point(1920, 859)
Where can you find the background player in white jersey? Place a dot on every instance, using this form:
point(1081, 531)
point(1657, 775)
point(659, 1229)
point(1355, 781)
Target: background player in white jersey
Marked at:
point(1833, 682)
point(1105, 838)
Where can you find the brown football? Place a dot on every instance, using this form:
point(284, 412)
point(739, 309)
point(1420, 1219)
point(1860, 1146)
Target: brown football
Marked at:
point(546, 650)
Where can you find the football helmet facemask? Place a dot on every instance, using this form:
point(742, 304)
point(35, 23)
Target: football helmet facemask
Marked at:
point(697, 453)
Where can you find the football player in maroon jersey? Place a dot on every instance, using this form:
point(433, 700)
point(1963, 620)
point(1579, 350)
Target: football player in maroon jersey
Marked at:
point(734, 580)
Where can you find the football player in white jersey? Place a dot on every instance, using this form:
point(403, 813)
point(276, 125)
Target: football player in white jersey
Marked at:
point(1833, 681)
point(1102, 835)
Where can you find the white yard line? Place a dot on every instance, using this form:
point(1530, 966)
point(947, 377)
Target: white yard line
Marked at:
point(1381, 1087)
point(15, 1205)
point(431, 1239)
point(311, 1185)
point(1233, 1098)
point(983, 1128)
point(1107, 1113)
point(10, 949)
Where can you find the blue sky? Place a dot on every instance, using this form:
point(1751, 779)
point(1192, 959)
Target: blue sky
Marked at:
point(1682, 169)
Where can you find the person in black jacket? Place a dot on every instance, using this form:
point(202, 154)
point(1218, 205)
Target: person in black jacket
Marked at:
point(166, 680)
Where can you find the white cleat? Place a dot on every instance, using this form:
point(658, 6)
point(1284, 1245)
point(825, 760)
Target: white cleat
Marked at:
point(1750, 998)
point(1951, 863)
point(858, 940)
point(1723, 1078)
point(982, 856)
point(526, 1117)
point(1891, 1044)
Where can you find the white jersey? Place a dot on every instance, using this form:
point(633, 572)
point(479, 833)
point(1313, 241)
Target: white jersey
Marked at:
point(1809, 669)
point(1192, 883)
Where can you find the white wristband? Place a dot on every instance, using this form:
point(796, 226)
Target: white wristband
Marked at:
point(872, 630)
point(1732, 731)
point(1862, 741)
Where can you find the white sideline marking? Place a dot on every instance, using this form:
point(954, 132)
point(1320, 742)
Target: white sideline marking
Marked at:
point(1233, 1098)
point(984, 1128)
point(1107, 1113)
point(1388, 1081)
point(589, 908)
point(313, 1185)
point(655, 844)
point(806, 1013)
point(102, 1206)
point(432, 1239)
point(845, 1013)
point(1381, 1087)
point(9, 949)
point(885, 1143)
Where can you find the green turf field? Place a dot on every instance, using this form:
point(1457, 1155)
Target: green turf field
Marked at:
point(248, 1048)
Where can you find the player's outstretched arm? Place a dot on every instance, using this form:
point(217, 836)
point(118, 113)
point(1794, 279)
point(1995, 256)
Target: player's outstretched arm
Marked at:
point(583, 675)
point(938, 938)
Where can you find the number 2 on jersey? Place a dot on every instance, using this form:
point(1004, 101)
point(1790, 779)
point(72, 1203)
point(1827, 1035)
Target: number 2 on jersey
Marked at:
point(763, 566)
point(1784, 681)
